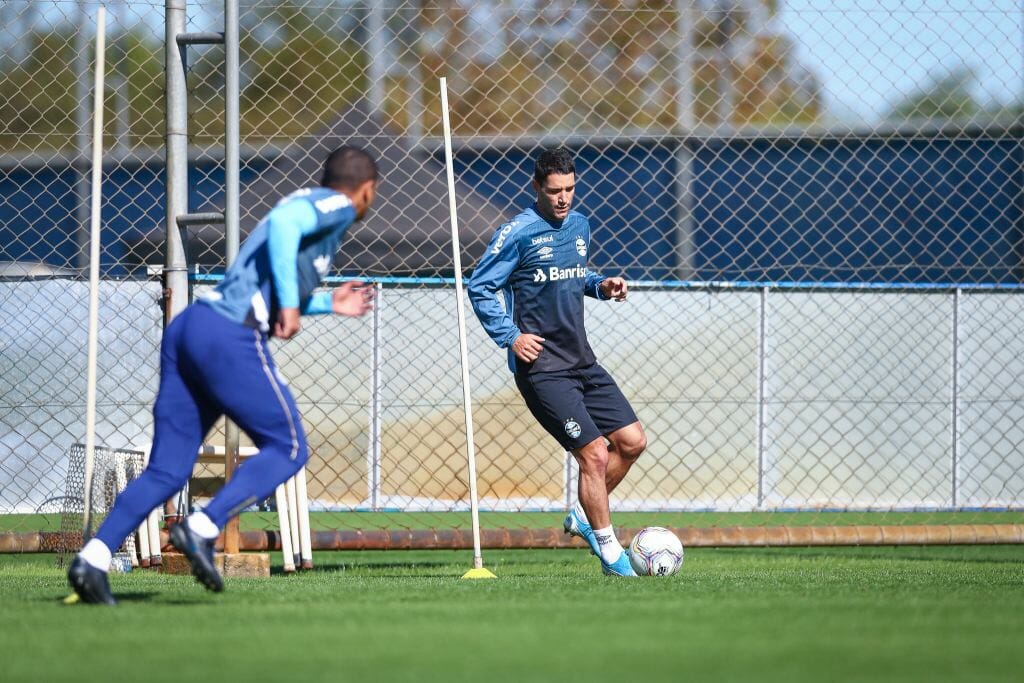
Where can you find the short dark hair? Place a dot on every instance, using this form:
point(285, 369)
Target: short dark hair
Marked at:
point(348, 168)
point(557, 160)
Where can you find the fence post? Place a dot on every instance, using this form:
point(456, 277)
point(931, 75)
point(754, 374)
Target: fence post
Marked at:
point(685, 123)
point(175, 268)
point(80, 164)
point(231, 218)
point(377, 62)
point(373, 448)
point(762, 346)
point(955, 401)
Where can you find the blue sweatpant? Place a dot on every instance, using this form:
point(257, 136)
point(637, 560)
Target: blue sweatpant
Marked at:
point(211, 366)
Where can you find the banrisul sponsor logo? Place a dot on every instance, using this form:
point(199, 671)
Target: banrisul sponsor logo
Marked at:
point(502, 236)
point(555, 273)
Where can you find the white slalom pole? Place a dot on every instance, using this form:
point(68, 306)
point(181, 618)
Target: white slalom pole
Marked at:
point(293, 520)
point(94, 273)
point(302, 514)
point(284, 524)
point(478, 571)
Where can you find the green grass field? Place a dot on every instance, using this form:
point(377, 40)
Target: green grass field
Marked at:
point(553, 520)
point(821, 614)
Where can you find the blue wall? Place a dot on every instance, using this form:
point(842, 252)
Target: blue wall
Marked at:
point(37, 212)
point(860, 210)
point(853, 210)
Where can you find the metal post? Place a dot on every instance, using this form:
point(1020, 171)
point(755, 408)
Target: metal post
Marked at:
point(373, 451)
point(955, 401)
point(761, 391)
point(231, 130)
point(685, 124)
point(82, 142)
point(118, 81)
point(379, 66)
point(175, 268)
point(231, 218)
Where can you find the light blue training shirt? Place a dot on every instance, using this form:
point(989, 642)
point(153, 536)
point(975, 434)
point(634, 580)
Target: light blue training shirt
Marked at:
point(284, 259)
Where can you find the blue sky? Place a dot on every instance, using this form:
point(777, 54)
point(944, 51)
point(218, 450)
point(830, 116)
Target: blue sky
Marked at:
point(869, 52)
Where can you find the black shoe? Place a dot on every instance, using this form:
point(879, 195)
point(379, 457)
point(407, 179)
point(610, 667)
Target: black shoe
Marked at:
point(90, 583)
point(199, 552)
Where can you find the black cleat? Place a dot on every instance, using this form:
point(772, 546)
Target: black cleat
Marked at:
point(199, 552)
point(90, 584)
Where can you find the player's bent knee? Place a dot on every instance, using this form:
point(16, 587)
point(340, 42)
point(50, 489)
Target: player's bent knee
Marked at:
point(637, 447)
point(166, 483)
point(297, 456)
point(630, 441)
point(283, 444)
point(301, 455)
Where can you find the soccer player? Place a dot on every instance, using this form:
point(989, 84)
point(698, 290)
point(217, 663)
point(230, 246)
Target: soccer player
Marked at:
point(215, 360)
point(527, 291)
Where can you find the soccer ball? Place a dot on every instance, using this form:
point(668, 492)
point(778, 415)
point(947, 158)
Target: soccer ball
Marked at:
point(656, 551)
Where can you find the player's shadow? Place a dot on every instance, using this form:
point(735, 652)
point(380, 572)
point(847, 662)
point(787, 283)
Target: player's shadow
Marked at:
point(137, 596)
point(188, 602)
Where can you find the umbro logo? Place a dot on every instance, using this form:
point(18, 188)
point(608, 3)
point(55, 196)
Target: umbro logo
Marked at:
point(322, 264)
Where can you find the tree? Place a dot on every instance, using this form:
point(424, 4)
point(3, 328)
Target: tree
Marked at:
point(946, 97)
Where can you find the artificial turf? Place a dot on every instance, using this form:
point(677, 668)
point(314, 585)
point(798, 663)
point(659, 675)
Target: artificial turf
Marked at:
point(796, 614)
point(397, 521)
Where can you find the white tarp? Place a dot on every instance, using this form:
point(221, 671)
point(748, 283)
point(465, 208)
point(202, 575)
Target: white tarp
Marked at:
point(857, 412)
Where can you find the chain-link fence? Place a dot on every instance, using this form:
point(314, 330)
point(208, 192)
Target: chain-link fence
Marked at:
point(821, 211)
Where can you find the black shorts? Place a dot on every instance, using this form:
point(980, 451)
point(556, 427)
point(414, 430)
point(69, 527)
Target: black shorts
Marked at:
point(576, 406)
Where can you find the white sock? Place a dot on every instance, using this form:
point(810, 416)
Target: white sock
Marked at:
point(97, 554)
point(578, 509)
point(202, 525)
point(610, 546)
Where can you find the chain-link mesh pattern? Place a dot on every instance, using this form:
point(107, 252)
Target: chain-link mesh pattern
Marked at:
point(111, 471)
point(820, 210)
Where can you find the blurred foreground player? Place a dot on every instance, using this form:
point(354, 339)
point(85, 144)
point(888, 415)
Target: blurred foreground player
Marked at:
point(527, 291)
point(215, 360)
